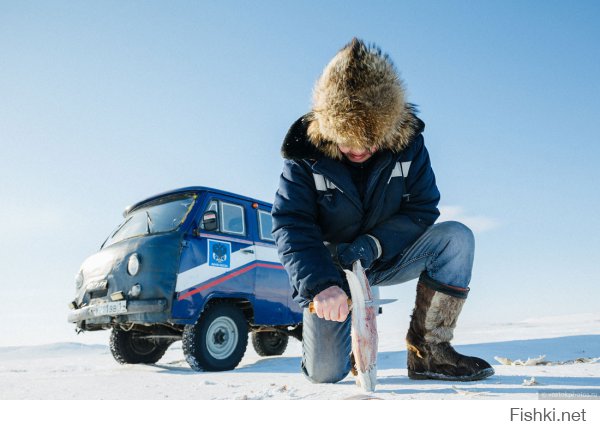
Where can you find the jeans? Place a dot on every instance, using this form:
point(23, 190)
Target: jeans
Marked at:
point(445, 251)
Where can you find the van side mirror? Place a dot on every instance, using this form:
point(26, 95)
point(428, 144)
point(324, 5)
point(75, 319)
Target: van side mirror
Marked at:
point(209, 221)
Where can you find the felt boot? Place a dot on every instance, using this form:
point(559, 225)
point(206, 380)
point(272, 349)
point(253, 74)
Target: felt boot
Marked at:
point(430, 355)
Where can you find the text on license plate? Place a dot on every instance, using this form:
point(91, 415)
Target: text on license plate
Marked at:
point(110, 308)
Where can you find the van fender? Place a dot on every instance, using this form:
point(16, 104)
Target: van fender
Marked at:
point(244, 301)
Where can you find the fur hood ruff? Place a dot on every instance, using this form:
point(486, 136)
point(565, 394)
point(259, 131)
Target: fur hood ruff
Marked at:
point(358, 102)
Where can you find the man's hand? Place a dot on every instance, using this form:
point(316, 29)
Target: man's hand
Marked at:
point(332, 304)
point(365, 248)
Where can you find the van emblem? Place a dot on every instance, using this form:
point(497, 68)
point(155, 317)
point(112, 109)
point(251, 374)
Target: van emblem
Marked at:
point(219, 253)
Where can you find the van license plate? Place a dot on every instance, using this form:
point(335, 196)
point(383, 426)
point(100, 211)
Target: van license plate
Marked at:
point(110, 308)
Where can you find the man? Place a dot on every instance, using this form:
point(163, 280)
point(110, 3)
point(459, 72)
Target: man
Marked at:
point(357, 184)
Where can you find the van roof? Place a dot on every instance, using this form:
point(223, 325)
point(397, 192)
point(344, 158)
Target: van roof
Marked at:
point(196, 189)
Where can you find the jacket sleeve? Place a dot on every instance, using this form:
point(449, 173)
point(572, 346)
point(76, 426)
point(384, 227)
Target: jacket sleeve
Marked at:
point(417, 212)
point(299, 239)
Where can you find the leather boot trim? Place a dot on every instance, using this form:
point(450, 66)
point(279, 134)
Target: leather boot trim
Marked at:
point(459, 292)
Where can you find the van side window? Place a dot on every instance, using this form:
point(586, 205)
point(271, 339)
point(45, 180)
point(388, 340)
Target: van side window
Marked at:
point(232, 218)
point(265, 223)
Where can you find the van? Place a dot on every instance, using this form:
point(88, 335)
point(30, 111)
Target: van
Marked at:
point(194, 264)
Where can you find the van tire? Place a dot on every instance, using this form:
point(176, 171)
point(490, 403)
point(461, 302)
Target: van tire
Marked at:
point(218, 340)
point(269, 343)
point(130, 347)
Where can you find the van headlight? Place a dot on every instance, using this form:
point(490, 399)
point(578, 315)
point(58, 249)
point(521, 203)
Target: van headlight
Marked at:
point(133, 265)
point(79, 280)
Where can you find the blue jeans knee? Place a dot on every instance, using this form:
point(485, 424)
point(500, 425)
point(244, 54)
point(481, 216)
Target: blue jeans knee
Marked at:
point(445, 251)
point(326, 349)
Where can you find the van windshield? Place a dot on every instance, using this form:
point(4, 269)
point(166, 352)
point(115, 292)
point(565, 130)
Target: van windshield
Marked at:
point(158, 216)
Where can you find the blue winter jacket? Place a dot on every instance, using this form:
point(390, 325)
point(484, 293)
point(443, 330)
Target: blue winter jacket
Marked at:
point(318, 206)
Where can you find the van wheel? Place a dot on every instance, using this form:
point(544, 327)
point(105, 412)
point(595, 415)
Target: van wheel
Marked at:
point(131, 347)
point(218, 340)
point(269, 343)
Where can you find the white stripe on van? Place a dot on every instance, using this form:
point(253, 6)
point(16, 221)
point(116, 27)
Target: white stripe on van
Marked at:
point(204, 272)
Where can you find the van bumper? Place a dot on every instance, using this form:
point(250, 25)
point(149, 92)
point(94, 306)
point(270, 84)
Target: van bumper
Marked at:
point(123, 307)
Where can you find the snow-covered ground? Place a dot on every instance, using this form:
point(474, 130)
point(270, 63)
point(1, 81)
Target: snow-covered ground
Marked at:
point(88, 371)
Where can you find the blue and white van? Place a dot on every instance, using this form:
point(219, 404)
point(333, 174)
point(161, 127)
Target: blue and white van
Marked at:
point(194, 264)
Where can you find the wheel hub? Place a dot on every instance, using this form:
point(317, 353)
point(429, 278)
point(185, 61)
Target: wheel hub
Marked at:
point(222, 337)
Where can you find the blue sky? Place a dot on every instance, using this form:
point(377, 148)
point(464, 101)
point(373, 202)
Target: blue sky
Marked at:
point(105, 103)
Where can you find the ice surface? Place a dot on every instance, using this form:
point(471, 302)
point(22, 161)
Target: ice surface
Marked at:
point(78, 371)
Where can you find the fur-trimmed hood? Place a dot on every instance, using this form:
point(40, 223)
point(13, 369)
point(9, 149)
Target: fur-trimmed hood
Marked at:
point(358, 102)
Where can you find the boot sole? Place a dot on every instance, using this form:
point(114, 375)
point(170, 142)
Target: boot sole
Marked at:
point(485, 373)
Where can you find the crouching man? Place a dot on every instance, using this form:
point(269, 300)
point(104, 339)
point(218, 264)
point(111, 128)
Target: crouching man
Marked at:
point(357, 184)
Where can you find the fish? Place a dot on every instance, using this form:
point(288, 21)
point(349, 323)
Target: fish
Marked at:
point(364, 309)
point(364, 328)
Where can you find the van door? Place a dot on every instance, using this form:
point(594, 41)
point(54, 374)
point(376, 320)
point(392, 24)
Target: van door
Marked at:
point(273, 292)
point(218, 262)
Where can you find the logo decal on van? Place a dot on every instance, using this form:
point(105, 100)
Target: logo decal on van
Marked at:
point(219, 253)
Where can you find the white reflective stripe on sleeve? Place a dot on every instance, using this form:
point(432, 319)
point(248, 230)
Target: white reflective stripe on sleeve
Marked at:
point(400, 170)
point(320, 182)
point(405, 166)
point(330, 185)
point(397, 172)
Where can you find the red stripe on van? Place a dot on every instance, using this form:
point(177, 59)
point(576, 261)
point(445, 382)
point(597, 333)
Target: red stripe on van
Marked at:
point(228, 277)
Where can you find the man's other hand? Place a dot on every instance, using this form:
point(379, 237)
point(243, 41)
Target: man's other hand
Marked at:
point(365, 248)
point(332, 304)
